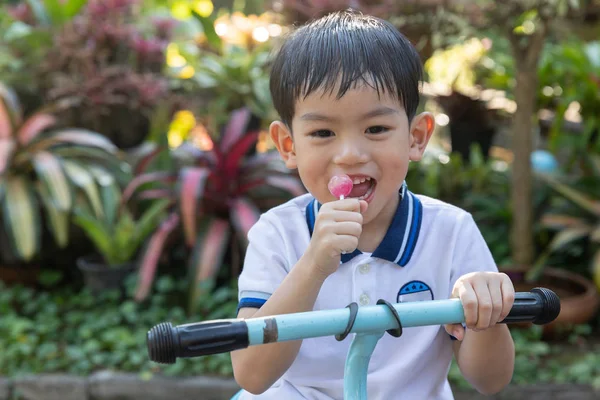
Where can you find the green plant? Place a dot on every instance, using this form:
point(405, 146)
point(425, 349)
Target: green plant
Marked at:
point(570, 74)
point(117, 236)
point(54, 168)
point(576, 218)
point(217, 200)
point(230, 76)
point(70, 330)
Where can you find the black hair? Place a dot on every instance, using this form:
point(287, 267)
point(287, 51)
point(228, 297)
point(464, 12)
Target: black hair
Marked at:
point(348, 48)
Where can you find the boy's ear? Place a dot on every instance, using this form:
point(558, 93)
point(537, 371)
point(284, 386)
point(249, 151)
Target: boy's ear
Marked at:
point(282, 137)
point(421, 129)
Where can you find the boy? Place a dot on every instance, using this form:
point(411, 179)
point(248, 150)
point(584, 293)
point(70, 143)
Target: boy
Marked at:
point(346, 89)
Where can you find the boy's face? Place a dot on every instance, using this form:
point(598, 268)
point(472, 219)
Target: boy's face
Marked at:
point(363, 135)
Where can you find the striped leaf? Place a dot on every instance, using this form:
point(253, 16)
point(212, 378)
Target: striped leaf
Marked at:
point(211, 245)
point(51, 174)
point(6, 148)
point(84, 180)
point(152, 254)
point(569, 235)
point(235, 157)
point(150, 218)
point(34, 125)
point(80, 137)
point(58, 219)
point(151, 177)
point(235, 129)
point(110, 192)
point(10, 111)
point(244, 215)
point(22, 217)
point(553, 221)
point(193, 181)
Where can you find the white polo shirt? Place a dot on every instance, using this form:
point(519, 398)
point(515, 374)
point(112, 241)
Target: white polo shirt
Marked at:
point(428, 246)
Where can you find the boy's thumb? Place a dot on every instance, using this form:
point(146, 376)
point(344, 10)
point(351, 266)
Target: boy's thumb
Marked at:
point(363, 206)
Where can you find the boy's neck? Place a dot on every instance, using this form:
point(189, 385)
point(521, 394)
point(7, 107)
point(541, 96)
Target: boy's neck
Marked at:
point(374, 232)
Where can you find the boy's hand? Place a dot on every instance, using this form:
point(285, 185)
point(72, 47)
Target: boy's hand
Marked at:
point(487, 298)
point(337, 229)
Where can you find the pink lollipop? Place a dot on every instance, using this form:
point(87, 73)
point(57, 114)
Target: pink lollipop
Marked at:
point(340, 186)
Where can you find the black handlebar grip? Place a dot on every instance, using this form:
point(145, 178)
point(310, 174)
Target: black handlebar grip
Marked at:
point(166, 342)
point(539, 306)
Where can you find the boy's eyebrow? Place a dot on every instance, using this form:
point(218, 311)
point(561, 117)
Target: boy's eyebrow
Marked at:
point(313, 116)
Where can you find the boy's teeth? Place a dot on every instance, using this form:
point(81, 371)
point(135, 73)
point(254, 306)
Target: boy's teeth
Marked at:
point(356, 181)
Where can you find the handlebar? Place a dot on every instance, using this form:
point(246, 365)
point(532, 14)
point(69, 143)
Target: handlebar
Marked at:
point(167, 342)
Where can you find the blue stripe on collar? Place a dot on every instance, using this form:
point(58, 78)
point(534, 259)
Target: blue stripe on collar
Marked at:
point(401, 237)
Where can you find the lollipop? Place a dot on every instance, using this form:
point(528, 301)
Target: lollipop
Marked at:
point(340, 186)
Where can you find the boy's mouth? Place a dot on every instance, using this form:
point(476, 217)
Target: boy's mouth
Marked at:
point(363, 187)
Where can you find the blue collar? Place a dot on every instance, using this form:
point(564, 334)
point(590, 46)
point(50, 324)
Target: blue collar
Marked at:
point(401, 237)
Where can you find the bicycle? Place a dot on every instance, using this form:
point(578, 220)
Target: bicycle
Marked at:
point(166, 343)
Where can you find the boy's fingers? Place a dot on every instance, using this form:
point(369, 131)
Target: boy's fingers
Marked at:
point(347, 216)
point(363, 206)
point(485, 305)
point(455, 330)
point(469, 302)
point(496, 295)
point(345, 205)
point(508, 297)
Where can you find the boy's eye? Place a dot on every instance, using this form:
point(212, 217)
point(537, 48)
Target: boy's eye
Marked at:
point(377, 129)
point(323, 133)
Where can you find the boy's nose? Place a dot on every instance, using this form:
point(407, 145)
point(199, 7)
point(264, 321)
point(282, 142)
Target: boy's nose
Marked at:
point(350, 152)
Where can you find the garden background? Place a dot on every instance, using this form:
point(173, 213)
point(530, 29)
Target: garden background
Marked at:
point(134, 157)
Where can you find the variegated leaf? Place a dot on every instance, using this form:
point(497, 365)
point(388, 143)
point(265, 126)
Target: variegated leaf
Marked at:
point(11, 114)
point(83, 179)
point(554, 221)
point(152, 254)
point(138, 181)
point(51, 174)
point(6, 148)
point(243, 215)
point(235, 157)
point(58, 219)
point(109, 192)
point(80, 137)
point(34, 125)
point(569, 235)
point(21, 216)
point(235, 129)
point(211, 245)
point(193, 181)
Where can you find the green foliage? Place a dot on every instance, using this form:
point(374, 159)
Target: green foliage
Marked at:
point(118, 236)
point(78, 333)
point(539, 362)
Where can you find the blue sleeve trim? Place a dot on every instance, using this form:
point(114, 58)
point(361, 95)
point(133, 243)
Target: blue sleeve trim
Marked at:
point(251, 302)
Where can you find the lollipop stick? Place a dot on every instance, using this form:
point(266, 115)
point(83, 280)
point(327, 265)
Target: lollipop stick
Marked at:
point(342, 197)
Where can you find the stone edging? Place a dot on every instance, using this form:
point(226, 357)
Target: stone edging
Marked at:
point(107, 385)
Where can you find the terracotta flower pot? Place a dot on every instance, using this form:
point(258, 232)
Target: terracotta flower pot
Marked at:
point(579, 297)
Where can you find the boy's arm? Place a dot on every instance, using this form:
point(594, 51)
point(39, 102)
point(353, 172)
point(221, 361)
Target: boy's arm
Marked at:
point(256, 368)
point(486, 358)
point(484, 350)
point(337, 228)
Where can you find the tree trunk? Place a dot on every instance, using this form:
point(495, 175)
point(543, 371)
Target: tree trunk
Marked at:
point(527, 56)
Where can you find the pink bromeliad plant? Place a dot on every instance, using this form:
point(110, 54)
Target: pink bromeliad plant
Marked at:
point(215, 201)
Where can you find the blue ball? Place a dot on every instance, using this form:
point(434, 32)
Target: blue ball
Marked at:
point(543, 161)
